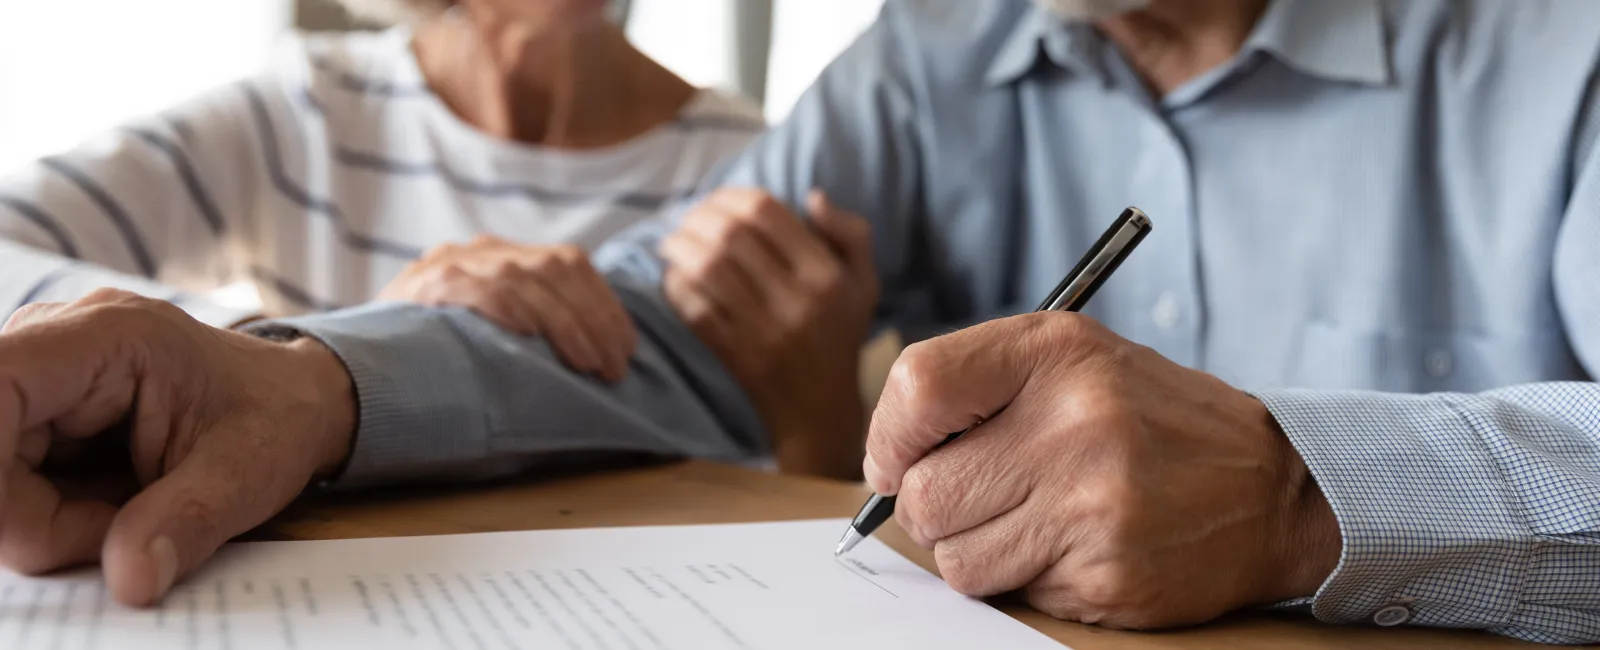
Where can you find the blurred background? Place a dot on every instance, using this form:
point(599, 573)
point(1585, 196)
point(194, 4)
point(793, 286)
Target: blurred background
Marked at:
point(72, 68)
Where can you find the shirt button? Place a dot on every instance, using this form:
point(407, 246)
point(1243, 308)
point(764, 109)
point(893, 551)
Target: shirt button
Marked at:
point(1392, 615)
point(1438, 363)
point(1166, 312)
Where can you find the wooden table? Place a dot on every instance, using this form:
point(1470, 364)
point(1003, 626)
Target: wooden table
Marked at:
point(702, 493)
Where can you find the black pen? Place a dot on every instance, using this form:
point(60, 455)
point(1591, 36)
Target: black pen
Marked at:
point(1071, 295)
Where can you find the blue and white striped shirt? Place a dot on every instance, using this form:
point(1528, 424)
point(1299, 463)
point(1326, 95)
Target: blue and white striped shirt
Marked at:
point(318, 180)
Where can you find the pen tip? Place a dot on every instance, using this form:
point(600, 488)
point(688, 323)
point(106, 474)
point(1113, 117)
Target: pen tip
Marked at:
point(851, 538)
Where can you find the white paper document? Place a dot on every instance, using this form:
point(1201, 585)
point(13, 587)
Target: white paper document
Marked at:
point(744, 586)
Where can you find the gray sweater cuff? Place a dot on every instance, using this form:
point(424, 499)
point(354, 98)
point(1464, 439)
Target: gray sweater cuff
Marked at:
point(416, 411)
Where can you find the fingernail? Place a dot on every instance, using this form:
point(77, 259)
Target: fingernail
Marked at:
point(165, 554)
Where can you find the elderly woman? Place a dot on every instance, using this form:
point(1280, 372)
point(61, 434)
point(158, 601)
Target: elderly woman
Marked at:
point(321, 179)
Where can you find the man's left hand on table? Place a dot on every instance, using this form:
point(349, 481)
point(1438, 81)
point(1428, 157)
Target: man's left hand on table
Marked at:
point(134, 436)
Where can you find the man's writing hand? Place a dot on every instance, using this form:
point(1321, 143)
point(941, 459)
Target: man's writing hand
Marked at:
point(1109, 484)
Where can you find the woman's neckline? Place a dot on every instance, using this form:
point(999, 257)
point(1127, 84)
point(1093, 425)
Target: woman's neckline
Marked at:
point(567, 112)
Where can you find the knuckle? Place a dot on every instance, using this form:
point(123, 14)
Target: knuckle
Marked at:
point(911, 532)
point(713, 266)
point(697, 268)
point(1123, 353)
point(696, 315)
point(1114, 355)
point(1064, 329)
point(465, 290)
point(731, 233)
point(450, 273)
point(569, 254)
point(764, 204)
point(671, 248)
point(484, 241)
point(1103, 416)
point(960, 570)
point(699, 212)
point(549, 264)
point(690, 308)
point(30, 312)
point(505, 271)
point(1060, 325)
point(106, 295)
point(909, 377)
point(679, 251)
point(1112, 507)
point(1057, 601)
point(794, 323)
point(449, 249)
point(163, 308)
point(1109, 595)
point(498, 310)
point(805, 311)
point(827, 280)
point(829, 292)
point(1112, 592)
point(126, 310)
point(926, 500)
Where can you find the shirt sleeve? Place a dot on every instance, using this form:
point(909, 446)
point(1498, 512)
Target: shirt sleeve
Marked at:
point(446, 395)
point(1481, 510)
point(858, 121)
point(1476, 511)
point(150, 207)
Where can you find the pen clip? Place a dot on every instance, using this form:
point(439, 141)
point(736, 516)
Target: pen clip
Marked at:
point(1104, 257)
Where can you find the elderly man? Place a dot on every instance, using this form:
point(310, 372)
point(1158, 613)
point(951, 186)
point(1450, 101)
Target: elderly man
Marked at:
point(1367, 214)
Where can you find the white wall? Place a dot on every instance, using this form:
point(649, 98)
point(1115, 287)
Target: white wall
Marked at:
point(807, 35)
point(694, 39)
point(72, 68)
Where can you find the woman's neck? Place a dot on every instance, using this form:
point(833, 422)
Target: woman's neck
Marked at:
point(579, 88)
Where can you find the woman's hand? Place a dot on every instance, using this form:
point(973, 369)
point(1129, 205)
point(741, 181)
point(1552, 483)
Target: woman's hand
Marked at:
point(548, 291)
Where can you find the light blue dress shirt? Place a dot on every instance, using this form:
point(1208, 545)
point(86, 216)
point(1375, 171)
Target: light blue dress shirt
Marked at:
point(1398, 196)
point(1377, 212)
point(1371, 195)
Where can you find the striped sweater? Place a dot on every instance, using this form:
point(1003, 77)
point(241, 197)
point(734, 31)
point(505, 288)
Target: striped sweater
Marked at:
point(318, 180)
